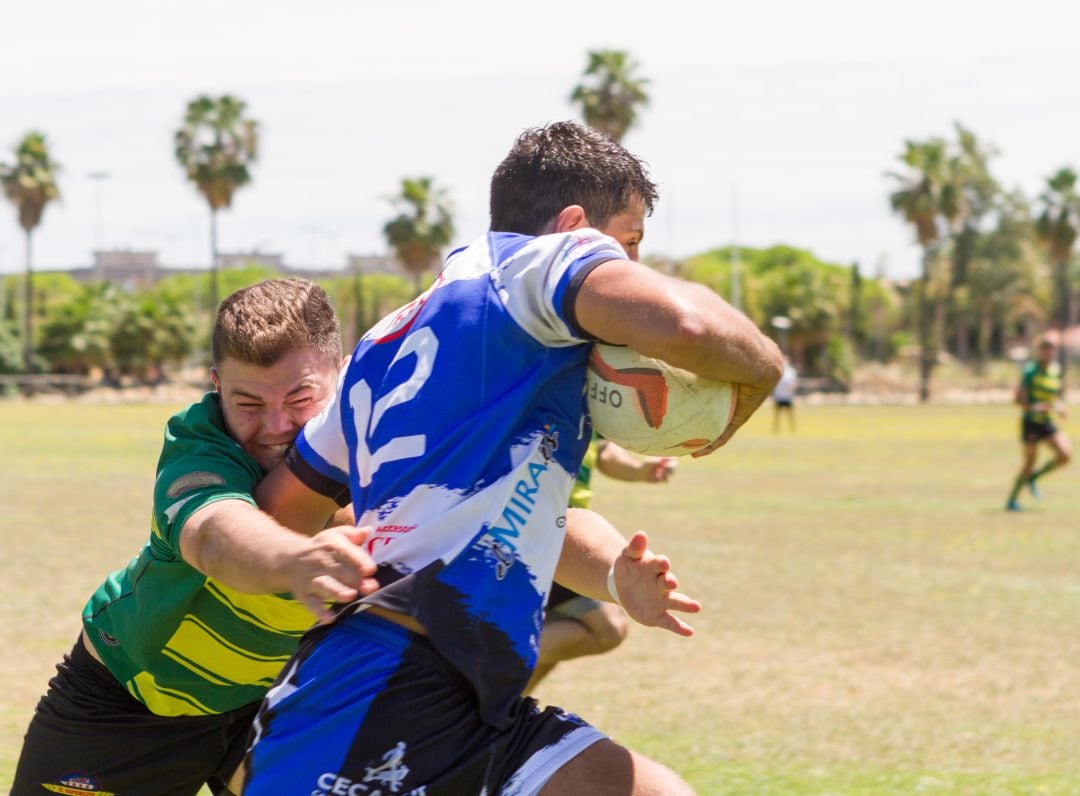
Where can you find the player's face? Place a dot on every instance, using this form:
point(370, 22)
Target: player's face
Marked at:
point(1045, 354)
point(628, 227)
point(264, 408)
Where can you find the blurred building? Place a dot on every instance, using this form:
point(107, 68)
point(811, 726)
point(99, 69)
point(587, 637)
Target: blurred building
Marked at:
point(131, 269)
point(275, 262)
point(371, 264)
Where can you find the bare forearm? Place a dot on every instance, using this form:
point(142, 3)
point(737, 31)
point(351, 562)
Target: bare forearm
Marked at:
point(680, 322)
point(591, 545)
point(719, 342)
point(241, 546)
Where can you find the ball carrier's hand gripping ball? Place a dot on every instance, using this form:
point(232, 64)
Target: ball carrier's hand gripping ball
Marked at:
point(648, 406)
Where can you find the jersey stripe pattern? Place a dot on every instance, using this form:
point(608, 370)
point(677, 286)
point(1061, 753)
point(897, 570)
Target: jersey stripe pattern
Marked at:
point(1043, 385)
point(183, 643)
point(460, 424)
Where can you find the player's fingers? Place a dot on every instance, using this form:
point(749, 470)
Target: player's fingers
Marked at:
point(317, 607)
point(680, 602)
point(667, 581)
point(675, 625)
point(358, 534)
point(330, 589)
point(638, 546)
point(356, 558)
point(719, 442)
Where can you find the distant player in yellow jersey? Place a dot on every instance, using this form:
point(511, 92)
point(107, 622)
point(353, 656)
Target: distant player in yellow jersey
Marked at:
point(1041, 393)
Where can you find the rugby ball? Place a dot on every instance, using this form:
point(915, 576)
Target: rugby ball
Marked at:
point(648, 406)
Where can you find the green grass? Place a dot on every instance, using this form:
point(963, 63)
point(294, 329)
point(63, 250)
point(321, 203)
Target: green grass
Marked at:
point(874, 623)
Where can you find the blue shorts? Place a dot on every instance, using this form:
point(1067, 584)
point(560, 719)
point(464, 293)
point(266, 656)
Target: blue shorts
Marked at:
point(365, 707)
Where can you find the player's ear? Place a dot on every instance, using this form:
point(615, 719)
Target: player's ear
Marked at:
point(215, 379)
point(570, 218)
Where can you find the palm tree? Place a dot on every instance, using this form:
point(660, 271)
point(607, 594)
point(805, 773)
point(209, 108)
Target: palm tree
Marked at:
point(1001, 271)
point(425, 225)
point(926, 195)
point(977, 193)
point(1057, 227)
point(215, 146)
point(610, 92)
point(30, 184)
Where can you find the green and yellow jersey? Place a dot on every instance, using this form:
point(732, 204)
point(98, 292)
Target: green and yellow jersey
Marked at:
point(1040, 385)
point(581, 492)
point(181, 642)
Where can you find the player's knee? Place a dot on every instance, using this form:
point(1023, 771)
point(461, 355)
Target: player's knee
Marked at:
point(609, 626)
point(608, 768)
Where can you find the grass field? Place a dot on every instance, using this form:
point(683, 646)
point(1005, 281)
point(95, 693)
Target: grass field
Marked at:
point(874, 623)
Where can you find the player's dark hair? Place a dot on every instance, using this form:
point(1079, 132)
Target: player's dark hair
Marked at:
point(565, 163)
point(265, 322)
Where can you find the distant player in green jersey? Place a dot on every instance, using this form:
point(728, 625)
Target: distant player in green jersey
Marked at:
point(1041, 393)
point(179, 647)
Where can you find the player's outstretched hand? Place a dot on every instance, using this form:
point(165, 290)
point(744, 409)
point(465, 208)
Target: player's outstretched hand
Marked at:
point(332, 568)
point(646, 588)
point(658, 471)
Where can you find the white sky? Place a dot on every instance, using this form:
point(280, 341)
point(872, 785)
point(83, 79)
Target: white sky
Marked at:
point(796, 108)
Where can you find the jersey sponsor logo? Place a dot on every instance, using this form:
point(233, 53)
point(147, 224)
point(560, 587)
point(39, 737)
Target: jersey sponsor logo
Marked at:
point(196, 480)
point(77, 784)
point(385, 534)
point(549, 443)
point(389, 774)
point(499, 541)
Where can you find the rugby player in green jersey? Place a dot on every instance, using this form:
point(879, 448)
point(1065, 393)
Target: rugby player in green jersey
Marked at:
point(179, 647)
point(1041, 393)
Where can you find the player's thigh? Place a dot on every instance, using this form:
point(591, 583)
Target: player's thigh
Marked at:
point(1061, 444)
point(605, 768)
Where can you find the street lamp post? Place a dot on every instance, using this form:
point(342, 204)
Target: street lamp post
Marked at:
point(782, 324)
point(98, 177)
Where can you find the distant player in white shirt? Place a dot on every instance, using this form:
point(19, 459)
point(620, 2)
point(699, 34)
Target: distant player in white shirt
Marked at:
point(784, 395)
point(458, 429)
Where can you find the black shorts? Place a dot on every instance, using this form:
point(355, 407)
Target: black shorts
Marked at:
point(560, 594)
point(783, 403)
point(566, 604)
point(1033, 431)
point(88, 734)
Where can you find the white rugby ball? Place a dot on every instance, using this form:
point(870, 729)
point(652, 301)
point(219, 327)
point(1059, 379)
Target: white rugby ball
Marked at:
point(648, 406)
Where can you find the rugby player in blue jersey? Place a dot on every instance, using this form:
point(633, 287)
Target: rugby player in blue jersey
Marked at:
point(458, 427)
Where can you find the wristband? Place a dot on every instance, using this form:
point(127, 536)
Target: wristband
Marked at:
point(611, 585)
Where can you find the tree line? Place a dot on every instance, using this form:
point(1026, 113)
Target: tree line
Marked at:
point(996, 266)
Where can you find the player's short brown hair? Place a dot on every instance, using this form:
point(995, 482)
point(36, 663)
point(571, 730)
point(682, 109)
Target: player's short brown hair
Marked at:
point(565, 163)
point(259, 325)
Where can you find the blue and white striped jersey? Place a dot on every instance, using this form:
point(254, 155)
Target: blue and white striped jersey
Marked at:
point(459, 427)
